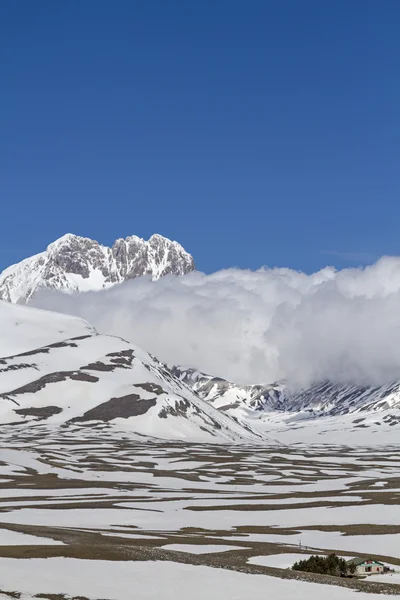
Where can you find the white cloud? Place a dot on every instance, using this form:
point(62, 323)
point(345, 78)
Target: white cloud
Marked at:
point(258, 326)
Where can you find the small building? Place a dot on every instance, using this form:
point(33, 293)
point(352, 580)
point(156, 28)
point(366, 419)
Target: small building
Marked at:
point(367, 566)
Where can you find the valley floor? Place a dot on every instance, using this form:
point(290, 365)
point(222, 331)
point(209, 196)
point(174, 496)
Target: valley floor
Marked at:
point(116, 517)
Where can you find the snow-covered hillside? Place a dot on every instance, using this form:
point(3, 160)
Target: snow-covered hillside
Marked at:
point(23, 329)
point(80, 377)
point(77, 264)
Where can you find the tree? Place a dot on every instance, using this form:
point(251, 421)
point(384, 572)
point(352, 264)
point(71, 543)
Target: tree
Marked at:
point(352, 568)
point(325, 565)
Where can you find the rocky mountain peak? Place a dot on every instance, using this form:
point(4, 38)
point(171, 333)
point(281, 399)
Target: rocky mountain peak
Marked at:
point(73, 264)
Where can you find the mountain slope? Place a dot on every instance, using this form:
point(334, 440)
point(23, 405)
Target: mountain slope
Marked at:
point(77, 264)
point(95, 380)
point(347, 406)
point(23, 329)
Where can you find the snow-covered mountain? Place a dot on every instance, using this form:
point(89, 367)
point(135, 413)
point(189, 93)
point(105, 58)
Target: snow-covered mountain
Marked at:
point(227, 395)
point(77, 264)
point(80, 378)
point(261, 405)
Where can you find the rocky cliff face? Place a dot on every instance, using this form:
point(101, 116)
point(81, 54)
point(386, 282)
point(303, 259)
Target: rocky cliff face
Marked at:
point(77, 264)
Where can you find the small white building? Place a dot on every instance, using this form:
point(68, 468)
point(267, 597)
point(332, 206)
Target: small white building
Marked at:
point(367, 566)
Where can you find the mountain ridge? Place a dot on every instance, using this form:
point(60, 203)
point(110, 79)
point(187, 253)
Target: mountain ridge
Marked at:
point(318, 400)
point(77, 264)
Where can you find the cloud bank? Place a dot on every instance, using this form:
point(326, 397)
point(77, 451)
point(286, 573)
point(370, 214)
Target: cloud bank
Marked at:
point(258, 326)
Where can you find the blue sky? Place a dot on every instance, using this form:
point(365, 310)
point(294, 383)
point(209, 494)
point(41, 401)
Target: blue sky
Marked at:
point(255, 133)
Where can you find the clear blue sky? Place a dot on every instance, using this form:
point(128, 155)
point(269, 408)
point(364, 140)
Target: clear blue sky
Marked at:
point(258, 132)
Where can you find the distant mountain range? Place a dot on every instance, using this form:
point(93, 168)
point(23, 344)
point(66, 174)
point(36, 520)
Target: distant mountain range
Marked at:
point(78, 264)
point(363, 406)
point(57, 369)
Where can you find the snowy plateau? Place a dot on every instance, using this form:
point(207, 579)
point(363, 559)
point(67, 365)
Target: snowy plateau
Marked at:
point(124, 478)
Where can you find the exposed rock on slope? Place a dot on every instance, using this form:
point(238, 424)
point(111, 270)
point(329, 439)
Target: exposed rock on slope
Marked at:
point(95, 380)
